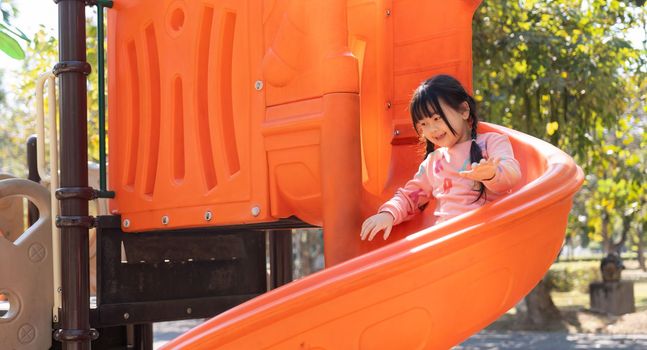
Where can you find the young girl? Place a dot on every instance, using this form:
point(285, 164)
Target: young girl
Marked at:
point(462, 169)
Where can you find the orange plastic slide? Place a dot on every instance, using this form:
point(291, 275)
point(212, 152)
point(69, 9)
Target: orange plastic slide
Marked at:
point(431, 289)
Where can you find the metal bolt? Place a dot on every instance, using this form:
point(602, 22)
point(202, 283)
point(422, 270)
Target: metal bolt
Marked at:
point(188, 311)
point(126, 223)
point(388, 12)
point(256, 211)
point(258, 85)
point(126, 316)
point(388, 105)
point(208, 216)
point(165, 220)
point(396, 132)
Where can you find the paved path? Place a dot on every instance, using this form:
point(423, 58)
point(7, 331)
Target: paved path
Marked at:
point(553, 341)
point(165, 331)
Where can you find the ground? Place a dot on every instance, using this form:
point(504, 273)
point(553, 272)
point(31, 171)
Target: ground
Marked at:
point(580, 320)
point(574, 304)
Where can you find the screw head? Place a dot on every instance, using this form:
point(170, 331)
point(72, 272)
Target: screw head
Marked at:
point(37, 252)
point(258, 85)
point(165, 220)
point(126, 316)
point(188, 311)
point(26, 333)
point(256, 211)
point(396, 132)
point(388, 12)
point(388, 104)
point(208, 215)
point(126, 223)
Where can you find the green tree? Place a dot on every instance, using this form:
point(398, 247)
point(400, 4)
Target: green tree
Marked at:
point(554, 69)
point(564, 71)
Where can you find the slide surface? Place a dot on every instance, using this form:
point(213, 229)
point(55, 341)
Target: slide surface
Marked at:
point(431, 287)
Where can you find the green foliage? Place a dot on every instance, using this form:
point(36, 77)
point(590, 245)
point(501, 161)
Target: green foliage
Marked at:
point(9, 45)
point(18, 114)
point(553, 69)
point(8, 34)
point(568, 279)
point(564, 71)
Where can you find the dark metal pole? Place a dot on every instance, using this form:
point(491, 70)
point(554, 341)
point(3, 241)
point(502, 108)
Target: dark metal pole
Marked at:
point(32, 165)
point(102, 111)
point(75, 332)
point(280, 258)
point(144, 336)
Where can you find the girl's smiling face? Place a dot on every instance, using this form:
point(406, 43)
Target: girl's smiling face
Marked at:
point(436, 130)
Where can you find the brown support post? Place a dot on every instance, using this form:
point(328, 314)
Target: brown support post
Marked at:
point(75, 332)
point(280, 257)
point(143, 334)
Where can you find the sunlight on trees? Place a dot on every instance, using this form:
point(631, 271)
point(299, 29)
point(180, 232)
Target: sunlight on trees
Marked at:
point(18, 115)
point(565, 72)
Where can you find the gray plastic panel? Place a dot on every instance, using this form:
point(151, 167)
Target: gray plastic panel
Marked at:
point(26, 274)
point(11, 215)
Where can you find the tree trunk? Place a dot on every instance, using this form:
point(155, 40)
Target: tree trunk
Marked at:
point(626, 226)
point(607, 242)
point(639, 249)
point(540, 309)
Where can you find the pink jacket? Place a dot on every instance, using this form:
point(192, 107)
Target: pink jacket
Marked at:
point(438, 177)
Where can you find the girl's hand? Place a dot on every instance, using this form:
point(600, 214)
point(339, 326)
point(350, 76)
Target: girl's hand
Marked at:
point(482, 171)
point(376, 223)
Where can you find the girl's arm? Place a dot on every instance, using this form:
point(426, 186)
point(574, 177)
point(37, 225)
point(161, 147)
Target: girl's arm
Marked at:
point(410, 199)
point(507, 172)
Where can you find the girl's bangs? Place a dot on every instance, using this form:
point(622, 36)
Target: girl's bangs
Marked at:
point(425, 105)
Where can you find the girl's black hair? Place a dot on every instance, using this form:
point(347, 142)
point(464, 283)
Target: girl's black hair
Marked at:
point(425, 103)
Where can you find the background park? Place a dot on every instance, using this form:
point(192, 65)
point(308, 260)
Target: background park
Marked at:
point(573, 73)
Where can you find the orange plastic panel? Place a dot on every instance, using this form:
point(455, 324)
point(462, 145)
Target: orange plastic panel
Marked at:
point(399, 44)
point(233, 108)
point(185, 114)
point(430, 288)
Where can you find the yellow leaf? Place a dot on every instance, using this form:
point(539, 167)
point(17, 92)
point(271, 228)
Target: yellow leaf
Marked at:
point(525, 25)
point(551, 128)
point(521, 67)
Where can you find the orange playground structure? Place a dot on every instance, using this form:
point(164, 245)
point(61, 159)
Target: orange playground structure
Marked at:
point(252, 115)
point(262, 110)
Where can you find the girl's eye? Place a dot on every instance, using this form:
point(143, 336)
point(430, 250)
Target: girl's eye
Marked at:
point(436, 117)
